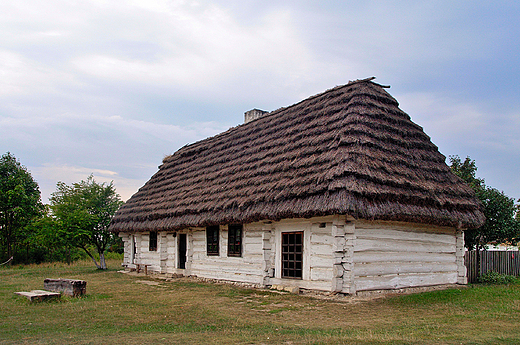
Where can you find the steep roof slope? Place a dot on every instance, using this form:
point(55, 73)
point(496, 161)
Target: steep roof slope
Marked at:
point(349, 150)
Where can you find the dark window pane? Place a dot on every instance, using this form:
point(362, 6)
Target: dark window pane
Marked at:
point(212, 240)
point(235, 240)
point(153, 241)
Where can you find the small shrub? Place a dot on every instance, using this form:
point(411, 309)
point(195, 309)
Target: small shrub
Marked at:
point(492, 277)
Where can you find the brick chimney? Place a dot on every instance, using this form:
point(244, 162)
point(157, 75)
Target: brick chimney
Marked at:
point(254, 114)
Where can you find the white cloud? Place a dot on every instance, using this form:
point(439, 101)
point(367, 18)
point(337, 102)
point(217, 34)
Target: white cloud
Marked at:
point(202, 47)
point(114, 148)
point(139, 130)
point(69, 174)
point(463, 125)
point(444, 115)
point(22, 76)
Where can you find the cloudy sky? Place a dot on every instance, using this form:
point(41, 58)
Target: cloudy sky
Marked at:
point(112, 87)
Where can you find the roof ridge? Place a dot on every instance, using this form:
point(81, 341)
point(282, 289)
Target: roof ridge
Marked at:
point(351, 82)
point(337, 87)
point(274, 113)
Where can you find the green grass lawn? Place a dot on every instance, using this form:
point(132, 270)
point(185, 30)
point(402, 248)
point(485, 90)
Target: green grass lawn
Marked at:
point(124, 309)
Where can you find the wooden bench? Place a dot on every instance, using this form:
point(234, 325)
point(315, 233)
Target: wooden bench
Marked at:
point(138, 268)
point(70, 287)
point(39, 295)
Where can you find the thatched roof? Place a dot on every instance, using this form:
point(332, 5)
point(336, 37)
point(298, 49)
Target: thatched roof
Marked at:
point(348, 151)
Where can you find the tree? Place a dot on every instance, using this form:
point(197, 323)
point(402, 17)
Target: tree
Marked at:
point(20, 202)
point(501, 226)
point(83, 212)
point(467, 171)
point(45, 232)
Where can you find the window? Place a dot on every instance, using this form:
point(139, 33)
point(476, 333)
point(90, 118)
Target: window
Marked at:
point(235, 240)
point(292, 255)
point(153, 241)
point(212, 240)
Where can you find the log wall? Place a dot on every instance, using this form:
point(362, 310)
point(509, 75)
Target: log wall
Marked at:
point(318, 259)
point(394, 255)
point(163, 260)
point(248, 268)
point(340, 254)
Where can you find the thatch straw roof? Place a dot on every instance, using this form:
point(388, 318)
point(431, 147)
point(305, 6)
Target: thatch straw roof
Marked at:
point(348, 151)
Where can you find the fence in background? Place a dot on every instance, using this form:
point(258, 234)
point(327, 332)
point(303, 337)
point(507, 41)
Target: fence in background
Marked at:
point(503, 262)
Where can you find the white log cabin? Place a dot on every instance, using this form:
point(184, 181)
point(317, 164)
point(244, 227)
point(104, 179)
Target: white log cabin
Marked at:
point(340, 192)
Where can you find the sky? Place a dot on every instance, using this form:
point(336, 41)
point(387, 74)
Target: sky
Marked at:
point(110, 88)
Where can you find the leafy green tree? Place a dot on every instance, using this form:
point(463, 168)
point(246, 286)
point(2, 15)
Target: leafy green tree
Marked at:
point(46, 233)
point(467, 171)
point(83, 212)
point(501, 226)
point(20, 203)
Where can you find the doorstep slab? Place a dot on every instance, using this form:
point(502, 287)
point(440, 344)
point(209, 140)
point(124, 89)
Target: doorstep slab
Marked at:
point(39, 295)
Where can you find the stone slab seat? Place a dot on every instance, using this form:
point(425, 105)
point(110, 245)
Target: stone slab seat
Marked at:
point(39, 295)
point(70, 287)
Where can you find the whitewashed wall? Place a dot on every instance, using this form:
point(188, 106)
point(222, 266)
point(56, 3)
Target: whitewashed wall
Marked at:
point(398, 255)
point(142, 255)
point(163, 260)
point(247, 268)
point(167, 250)
point(127, 245)
point(340, 254)
point(130, 257)
point(317, 252)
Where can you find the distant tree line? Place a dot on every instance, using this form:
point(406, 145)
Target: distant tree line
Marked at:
point(74, 225)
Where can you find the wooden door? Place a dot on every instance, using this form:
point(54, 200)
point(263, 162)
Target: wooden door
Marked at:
point(182, 250)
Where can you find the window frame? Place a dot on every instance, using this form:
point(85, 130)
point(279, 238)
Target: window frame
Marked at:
point(152, 241)
point(234, 240)
point(292, 255)
point(213, 242)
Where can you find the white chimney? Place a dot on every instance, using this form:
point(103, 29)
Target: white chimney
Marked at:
point(254, 114)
